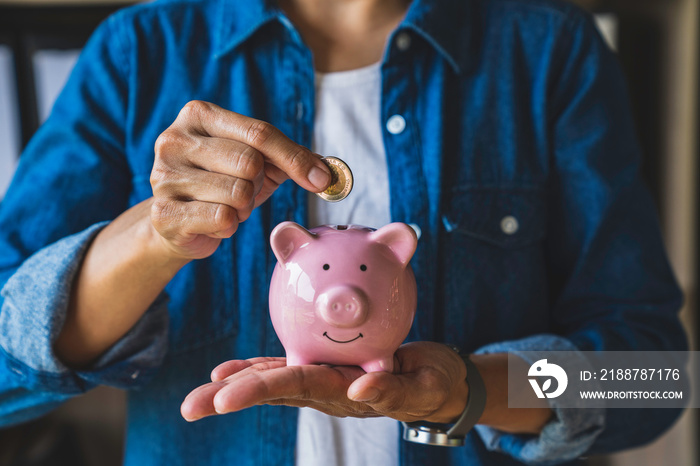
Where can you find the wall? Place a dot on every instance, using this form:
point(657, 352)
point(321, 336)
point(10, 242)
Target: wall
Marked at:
point(679, 20)
point(674, 24)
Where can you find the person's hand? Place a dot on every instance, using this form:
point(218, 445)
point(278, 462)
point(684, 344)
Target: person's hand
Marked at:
point(213, 167)
point(428, 384)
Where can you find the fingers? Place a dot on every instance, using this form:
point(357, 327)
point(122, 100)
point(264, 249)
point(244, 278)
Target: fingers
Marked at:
point(192, 167)
point(273, 178)
point(178, 221)
point(199, 402)
point(271, 382)
point(404, 397)
point(299, 163)
point(430, 385)
point(237, 193)
point(335, 390)
point(229, 368)
point(224, 156)
point(203, 188)
point(192, 229)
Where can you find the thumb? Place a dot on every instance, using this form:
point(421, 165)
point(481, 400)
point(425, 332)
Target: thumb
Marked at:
point(304, 167)
point(401, 397)
point(382, 390)
point(296, 161)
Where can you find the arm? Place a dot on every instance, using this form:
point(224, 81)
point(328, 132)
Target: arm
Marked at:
point(95, 297)
point(71, 178)
point(212, 168)
point(120, 277)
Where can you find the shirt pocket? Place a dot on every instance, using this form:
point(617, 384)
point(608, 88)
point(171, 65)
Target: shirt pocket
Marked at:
point(509, 218)
point(494, 263)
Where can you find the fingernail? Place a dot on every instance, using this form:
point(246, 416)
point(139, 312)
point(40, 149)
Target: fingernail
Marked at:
point(220, 410)
point(319, 177)
point(367, 395)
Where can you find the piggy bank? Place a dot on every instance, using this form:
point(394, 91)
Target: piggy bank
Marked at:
point(343, 295)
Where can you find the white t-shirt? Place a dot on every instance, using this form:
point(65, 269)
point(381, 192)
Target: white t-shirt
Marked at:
point(347, 125)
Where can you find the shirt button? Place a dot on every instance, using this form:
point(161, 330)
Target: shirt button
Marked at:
point(403, 41)
point(509, 225)
point(396, 124)
point(416, 228)
point(135, 375)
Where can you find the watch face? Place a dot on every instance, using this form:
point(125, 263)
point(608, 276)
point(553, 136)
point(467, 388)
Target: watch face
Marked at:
point(430, 435)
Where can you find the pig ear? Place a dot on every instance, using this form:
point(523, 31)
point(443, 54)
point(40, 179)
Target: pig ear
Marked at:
point(287, 237)
point(400, 238)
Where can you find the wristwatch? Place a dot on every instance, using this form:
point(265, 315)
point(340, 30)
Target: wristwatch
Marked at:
point(440, 435)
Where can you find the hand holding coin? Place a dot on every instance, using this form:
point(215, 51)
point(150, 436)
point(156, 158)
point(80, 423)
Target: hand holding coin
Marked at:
point(341, 180)
point(212, 168)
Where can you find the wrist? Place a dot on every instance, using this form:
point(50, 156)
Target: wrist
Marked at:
point(454, 405)
point(470, 415)
point(494, 370)
point(160, 252)
point(121, 275)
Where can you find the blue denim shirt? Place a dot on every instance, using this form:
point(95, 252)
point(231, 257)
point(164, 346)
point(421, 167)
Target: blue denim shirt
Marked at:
point(513, 109)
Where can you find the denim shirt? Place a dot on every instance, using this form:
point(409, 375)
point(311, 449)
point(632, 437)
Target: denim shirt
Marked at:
point(515, 157)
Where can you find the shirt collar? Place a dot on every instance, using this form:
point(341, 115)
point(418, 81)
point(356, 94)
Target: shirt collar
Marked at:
point(447, 25)
point(237, 21)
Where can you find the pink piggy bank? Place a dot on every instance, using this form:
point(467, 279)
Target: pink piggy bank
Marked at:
point(343, 295)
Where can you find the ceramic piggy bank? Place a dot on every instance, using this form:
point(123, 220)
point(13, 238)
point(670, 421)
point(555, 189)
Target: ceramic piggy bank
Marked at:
point(343, 295)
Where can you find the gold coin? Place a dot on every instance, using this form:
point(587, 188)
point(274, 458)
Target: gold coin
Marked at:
point(341, 180)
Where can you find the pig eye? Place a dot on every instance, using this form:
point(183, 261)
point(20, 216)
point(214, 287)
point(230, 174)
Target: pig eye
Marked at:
point(363, 267)
point(326, 266)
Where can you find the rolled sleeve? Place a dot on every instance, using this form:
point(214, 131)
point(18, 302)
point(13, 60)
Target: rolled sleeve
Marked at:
point(35, 304)
point(570, 433)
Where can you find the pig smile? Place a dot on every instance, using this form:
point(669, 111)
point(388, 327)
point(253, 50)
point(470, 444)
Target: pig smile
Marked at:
point(325, 334)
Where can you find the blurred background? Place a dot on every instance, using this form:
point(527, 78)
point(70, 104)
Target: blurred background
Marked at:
point(657, 43)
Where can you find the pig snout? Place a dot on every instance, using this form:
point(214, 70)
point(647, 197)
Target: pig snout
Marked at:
point(343, 306)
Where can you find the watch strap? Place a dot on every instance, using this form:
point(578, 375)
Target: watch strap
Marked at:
point(476, 402)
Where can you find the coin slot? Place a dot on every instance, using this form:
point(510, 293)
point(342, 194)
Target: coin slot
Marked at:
point(342, 227)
